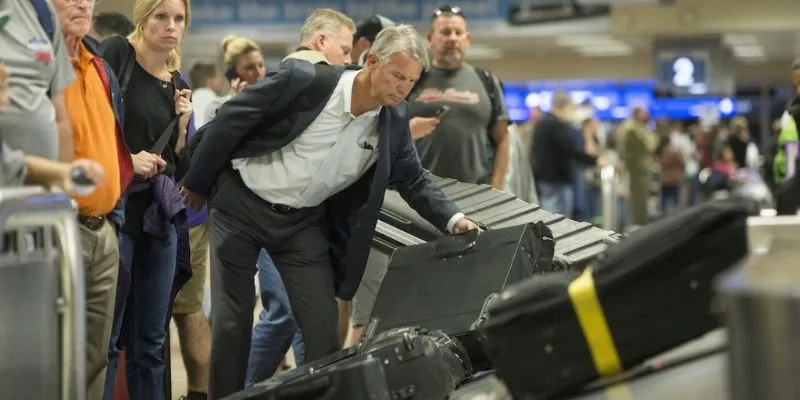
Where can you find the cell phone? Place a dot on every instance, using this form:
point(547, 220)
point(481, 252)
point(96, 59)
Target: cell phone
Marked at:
point(231, 74)
point(442, 111)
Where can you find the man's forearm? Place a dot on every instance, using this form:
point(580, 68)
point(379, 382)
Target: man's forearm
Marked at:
point(66, 146)
point(501, 159)
point(42, 171)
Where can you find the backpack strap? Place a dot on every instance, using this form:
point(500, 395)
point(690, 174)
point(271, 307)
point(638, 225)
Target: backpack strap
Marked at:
point(497, 110)
point(45, 17)
point(491, 89)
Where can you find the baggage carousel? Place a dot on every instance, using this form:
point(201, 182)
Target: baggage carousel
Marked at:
point(696, 370)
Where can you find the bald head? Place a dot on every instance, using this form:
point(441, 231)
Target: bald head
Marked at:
point(561, 100)
point(561, 106)
point(641, 115)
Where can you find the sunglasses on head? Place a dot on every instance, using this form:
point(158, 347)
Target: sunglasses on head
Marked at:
point(447, 10)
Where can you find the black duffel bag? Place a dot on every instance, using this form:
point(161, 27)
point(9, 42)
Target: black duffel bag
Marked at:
point(554, 333)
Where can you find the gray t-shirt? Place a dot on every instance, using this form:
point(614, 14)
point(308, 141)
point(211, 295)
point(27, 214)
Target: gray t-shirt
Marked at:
point(36, 66)
point(12, 167)
point(458, 148)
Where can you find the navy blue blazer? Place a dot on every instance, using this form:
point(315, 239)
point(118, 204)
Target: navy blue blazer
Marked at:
point(246, 126)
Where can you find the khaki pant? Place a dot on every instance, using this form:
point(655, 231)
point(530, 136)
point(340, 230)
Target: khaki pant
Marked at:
point(639, 194)
point(100, 250)
point(190, 297)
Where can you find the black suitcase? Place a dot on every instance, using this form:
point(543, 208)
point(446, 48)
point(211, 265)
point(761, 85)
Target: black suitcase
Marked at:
point(444, 284)
point(359, 378)
point(653, 291)
point(419, 364)
point(577, 243)
point(415, 364)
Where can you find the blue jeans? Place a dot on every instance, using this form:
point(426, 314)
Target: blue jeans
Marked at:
point(141, 329)
point(276, 329)
point(670, 198)
point(556, 198)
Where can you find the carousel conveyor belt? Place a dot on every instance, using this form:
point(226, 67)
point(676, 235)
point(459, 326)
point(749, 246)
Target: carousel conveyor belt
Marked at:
point(577, 243)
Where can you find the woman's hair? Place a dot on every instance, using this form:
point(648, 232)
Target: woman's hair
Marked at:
point(141, 12)
point(234, 47)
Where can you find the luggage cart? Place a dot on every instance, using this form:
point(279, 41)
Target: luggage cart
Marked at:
point(42, 310)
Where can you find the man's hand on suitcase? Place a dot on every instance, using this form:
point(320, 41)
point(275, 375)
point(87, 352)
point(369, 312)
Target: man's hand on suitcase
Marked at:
point(464, 225)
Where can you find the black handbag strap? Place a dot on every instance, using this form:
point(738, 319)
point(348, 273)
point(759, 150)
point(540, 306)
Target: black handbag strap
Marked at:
point(162, 141)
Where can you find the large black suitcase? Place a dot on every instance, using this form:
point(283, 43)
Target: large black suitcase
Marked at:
point(414, 363)
point(651, 292)
point(360, 378)
point(577, 243)
point(420, 364)
point(444, 284)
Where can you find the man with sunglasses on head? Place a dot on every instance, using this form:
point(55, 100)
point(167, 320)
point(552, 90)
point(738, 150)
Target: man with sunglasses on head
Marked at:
point(471, 142)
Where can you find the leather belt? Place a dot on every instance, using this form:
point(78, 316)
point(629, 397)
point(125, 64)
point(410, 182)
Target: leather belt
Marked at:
point(281, 208)
point(93, 223)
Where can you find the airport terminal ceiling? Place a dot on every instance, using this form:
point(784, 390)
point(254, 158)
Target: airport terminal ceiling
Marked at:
point(613, 45)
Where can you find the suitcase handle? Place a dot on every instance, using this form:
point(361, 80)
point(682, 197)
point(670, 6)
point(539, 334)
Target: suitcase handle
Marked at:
point(455, 244)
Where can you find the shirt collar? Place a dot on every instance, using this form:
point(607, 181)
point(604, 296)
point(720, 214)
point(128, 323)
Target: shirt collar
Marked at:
point(83, 58)
point(347, 81)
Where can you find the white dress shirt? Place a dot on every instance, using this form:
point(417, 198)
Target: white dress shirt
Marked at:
point(332, 153)
point(328, 156)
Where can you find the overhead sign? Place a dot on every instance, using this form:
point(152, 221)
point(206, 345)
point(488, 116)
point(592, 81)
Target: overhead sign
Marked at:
point(293, 12)
point(685, 73)
point(694, 67)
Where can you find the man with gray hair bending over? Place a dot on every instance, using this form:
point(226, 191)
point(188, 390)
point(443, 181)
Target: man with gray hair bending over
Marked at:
point(308, 188)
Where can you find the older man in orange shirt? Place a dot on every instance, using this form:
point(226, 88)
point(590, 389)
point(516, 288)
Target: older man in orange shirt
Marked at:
point(94, 106)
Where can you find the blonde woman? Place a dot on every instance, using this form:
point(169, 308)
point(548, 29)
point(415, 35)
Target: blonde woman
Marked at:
point(156, 103)
point(244, 66)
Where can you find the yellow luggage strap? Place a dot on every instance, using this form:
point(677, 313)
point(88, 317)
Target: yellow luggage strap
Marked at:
point(594, 325)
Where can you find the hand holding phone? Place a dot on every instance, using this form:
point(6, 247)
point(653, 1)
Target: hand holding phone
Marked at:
point(441, 112)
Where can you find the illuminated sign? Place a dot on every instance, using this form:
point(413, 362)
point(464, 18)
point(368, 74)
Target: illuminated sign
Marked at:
point(684, 74)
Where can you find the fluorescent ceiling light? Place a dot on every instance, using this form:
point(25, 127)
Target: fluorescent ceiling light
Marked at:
point(748, 51)
point(484, 53)
point(739, 39)
point(753, 60)
point(585, 40)
point(613, 50)
point(607, 54)
point(603, 47)
point(479, 47)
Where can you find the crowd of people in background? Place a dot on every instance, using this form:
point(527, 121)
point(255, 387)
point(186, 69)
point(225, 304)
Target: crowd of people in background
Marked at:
point(659, 164)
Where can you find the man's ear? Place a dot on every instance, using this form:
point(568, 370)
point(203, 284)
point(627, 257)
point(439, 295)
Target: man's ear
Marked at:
point(371, 60)
point(318, 42)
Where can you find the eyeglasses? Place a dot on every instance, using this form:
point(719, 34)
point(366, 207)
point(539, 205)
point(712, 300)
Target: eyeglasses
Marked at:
point(447, 10)
point(81, 1)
